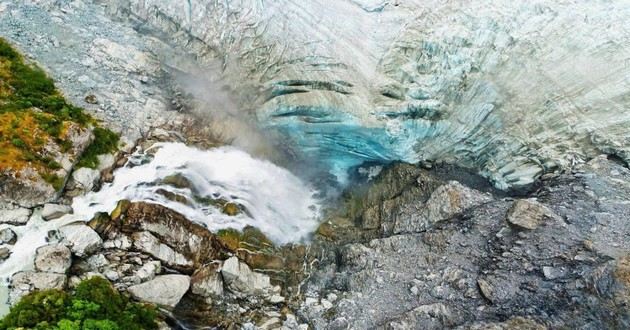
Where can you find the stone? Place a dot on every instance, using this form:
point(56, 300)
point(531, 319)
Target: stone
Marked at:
point(552, 273)
point(149, 270)
point(529, 214)
point(231, 209)
point(207, 281)
point(53, 258)
point(241, 280)
point(163, 290)
point(54, 211)
point(497, 289)
point(446, 202)
point(7, 236)
point(82, 239)
point(5, 253)
point(24, 282)
point(97, 261)
point(85, 178)
point(146, 242)
point(14, 215)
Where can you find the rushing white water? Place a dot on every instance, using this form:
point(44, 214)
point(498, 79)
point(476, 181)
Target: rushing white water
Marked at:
point(271, 198)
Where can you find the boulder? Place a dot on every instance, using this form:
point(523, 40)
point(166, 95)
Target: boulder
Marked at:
point(24, 282)
point(4, 253)
point(82, 239)
point(14, 215)
point(207, 281)
point(241, 280)
point(7, 236)
point(146, 242)
point(529, 214)
point(446, 202)
point(53, 258)
point(164, 290)
point(54, 211)
point(85, 178)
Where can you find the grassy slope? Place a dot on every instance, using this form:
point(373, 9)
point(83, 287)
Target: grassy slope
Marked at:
point(33, 113)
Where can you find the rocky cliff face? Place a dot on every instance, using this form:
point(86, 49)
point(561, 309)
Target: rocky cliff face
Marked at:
point(437, 254)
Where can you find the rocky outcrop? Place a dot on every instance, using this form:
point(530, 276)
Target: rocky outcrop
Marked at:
point(446, 202)
point(190, 243)
point(556, 258)
point(164, 290)
point(147, 243)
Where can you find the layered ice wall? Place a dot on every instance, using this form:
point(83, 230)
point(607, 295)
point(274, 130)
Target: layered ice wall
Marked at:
point(511, 88)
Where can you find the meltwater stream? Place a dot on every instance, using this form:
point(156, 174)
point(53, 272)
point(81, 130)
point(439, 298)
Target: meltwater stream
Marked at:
point(196, 183)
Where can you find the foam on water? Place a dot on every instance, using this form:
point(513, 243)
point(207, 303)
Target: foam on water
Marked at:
point(272, 198)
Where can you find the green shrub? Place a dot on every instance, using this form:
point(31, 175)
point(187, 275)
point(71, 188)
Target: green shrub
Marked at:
point(94, 305)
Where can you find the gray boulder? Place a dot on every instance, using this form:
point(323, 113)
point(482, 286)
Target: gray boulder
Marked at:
point(14, 215)
point(207, 281)
point(241, 280)
point(82, 239)
point(146, 242)
point(164, 290)
point(54, 258)
point(7, 236)
point(447, 201)
point(24, 282)
point(54, 211)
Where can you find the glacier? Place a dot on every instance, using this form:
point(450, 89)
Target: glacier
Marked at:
point(512, 90)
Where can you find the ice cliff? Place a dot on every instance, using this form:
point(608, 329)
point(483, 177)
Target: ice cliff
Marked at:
point(511, 89)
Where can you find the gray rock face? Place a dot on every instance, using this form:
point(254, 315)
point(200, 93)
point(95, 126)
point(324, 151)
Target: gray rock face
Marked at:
point(445, 202)
point(240, 279)
point(163, 290)
point(529, 214)
point(475, 267)
point(54, 258)
point(54, 211)
point(7, 236)
point(146, 242)
point(13, 214)
point(207, 281)
point(82, 239)
point(84, 179)
point(24, 282)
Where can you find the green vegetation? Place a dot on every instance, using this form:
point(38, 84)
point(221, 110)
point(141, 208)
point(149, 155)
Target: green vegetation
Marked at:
point(94, 305)
point(105, 141)
point(34, 115)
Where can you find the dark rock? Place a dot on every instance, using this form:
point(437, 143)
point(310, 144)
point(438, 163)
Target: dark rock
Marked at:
point(7, 236)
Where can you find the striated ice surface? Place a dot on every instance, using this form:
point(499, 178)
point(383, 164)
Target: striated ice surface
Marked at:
point(512, 89)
